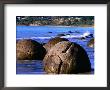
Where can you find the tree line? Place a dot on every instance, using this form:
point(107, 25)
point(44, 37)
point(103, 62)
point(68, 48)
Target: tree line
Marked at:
point(55, 20)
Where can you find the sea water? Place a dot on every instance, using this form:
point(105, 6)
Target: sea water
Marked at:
point(42, 34)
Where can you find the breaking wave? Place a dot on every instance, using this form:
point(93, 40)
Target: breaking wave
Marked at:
point(66, 36)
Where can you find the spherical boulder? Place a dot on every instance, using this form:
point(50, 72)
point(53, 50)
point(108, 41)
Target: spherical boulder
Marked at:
point(66, 58)
point(52, 42)
point(27, 49)
point(91, 43)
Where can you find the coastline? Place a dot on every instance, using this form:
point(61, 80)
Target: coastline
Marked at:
point(59, 25)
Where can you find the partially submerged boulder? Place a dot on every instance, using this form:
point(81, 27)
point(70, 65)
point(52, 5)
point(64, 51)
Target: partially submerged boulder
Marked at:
point(27, 49)
point(66, 58)
point(52, 42)
point(91, 43)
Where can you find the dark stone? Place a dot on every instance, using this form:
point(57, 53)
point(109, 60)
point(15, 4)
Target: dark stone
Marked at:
point(27, 49)
point(49, 32)
point(70, 32)
point(89, 36)
point(59, 35)
point(52, 42)
point(91, 43)
point(66, 58)
point(82, 38)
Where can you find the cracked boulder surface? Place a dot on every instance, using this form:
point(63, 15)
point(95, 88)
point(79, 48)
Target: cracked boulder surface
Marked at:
point(27, 49)
point(52, 42)
point(66, 58)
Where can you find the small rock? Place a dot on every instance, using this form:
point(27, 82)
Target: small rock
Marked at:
point(91, 43)
point(49, 32)
point(89, 36)
point(82, 38)
point(59, 35)
point(70, 32)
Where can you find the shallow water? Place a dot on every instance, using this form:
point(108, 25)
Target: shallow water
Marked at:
point(42, 35)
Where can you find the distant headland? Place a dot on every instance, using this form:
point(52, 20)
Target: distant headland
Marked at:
point(83, 21)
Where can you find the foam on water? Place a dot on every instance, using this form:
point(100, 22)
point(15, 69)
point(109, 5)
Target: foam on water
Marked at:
point(66, 36)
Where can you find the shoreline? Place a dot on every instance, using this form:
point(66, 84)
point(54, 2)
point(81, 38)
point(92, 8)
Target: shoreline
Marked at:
point(59, 25)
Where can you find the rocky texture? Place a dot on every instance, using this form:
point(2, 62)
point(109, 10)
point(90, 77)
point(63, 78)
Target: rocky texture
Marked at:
point(52, 42)
point(66, 58)
point(28, 49)
point(91, 43)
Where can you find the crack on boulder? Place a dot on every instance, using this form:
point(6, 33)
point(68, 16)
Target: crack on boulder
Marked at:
point(59, 67)
point(67, 48)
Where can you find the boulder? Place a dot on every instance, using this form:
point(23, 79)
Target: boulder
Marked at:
point(27, 49)
point(52, 42)
point(91, 43)
point(66, 58)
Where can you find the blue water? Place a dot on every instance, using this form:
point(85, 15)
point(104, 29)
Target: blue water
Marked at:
point(42, 35)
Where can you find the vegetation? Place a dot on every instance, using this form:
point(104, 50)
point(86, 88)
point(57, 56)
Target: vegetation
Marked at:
point(55, 20)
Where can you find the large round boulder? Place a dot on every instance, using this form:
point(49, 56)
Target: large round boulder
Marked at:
point(91, 43)
point(27, 49)
point(66, 58)
point(52, 42)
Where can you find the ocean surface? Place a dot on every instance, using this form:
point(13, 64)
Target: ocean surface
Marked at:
point(42, 34)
